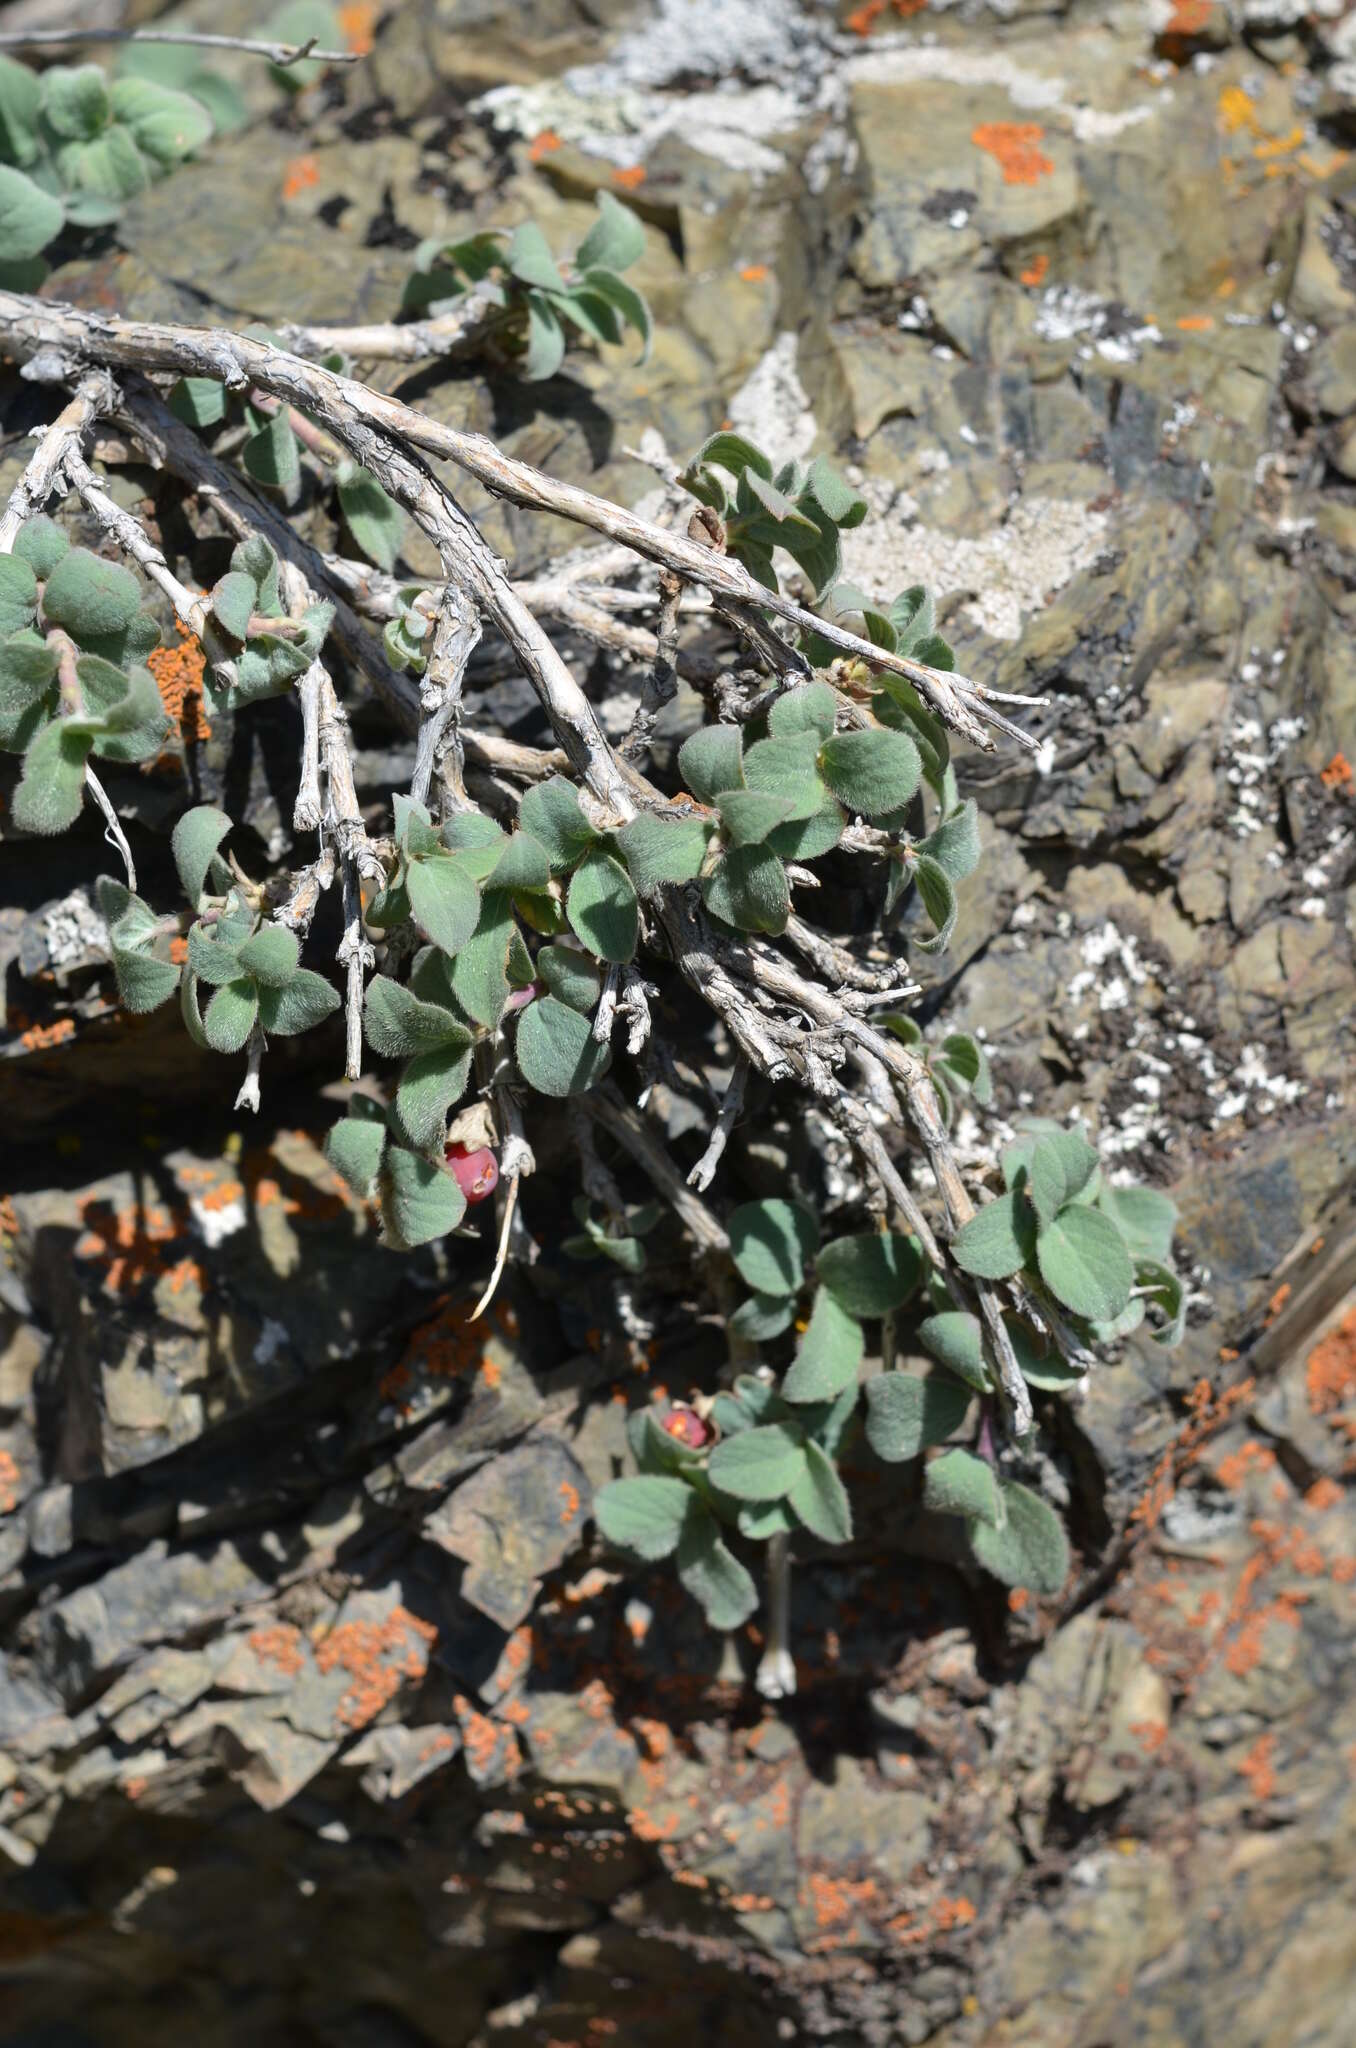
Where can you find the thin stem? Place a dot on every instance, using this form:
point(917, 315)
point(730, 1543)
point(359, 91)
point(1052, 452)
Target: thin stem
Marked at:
point(113, 831)
point(94, 395)
point(282, 54)
point(704, 1172)
point(776, 1675)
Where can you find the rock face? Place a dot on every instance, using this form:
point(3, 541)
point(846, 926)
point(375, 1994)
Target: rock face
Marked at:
point(322, 1718)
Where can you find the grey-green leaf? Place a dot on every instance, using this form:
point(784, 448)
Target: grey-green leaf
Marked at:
point(399, 1025)
point(306, 1001)
point(374, 519)
point(770, 1241)
point(272, 956)
point(427, 1089)
point(820, 1500)
point(230, 1015)
point(570, 975)
point(551, 813)
point(713, 1575)
point(195, 840)
point(602, 908)
point(354, 1147)
point(419, 1201)
point(712, 761)
point(1030, 1549)
point(955, 1338)
point(759, 1464)
point(829, 1353)
point(998, 1240)
point(645, 1516)
point(660, 850)
point(905, 1415)
point(870, 1274)
point(871, 772)
point(444, 899)
point(958, 1483)
point(1084, 1263)
point(557, 1053)
point(748, 889)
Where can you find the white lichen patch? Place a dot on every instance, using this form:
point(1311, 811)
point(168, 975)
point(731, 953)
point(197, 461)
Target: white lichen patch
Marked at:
point(1014, 569)
point(771, 406)
point(216, 1224)
point(1251, 754)
point(73, 930)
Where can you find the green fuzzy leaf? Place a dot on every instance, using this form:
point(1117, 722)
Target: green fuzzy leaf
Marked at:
point(958, 1483)
point(759, 1464)
point(478, 975)
point(529, 257)
point(828, 1355)
point(614, 242)
point(770, 1242)
point(645, 1516)
point(748, 889)
point(785, 767)
point(1057, 1164)
point(374, 519)
point(1040, 1368)
point(762, 1317)
point(844, 506)
point(20, 97)
point(100, 176)
point(444, 899)
point(272, 456)
point(233, 603)
point(52, 790)
point(1145, 1219)
point(998, 1240)
point(165, 125)
point(869, 1275)
point(808, 838)
point(545, 340)
point(551, 814)
point(199, 402)
point(419, 1201)
point(732, 452)
point(476, 839)
point(1084, 1263)
point(750, 815)
point(212, 959)
point(570, 975)
point(194, 843)
point(810, 707)
point(256, 558)
point(871, 772)
point(89, 596)
point(713, 1575)
point(602, 908)
point(938, 899)
point(427, 1089)
point(354, 1147)
point(398, 1025)
point(590, 312)
point(144, 982)
point(414, 829)
point(305, 1002)
point(625, 300)
point(662, 850)
point(759, 1520)
point(820, 1500)
point(28, 694)
point(955, 1339)
point(272, 956)
point(1030, 1549)
point(230, 1015)
point(41, 543)
point(556, 1051)
point(523, 868)
point(1169, 1295)
point(967, 1064)
point(133, 727)
point(905, 1415)
point(954, 845)
point(711, 761)
point(75, 102)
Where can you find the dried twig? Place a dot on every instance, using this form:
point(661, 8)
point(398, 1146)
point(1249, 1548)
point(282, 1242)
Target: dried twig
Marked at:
point(282, 54)
point(95, 394)
point(704, 1172)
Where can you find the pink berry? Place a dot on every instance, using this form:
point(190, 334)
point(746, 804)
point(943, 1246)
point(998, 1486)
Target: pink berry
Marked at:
point(475, 1172)
point(687, 1426)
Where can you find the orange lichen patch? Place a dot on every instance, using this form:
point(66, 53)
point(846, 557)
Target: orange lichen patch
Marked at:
point(440, 1349)
point(1018, 1599)
point(629, 177)
point(865, 17)
point(1250, 1457)
point(517, 1712)
point(1322, 1495)
point(301, 173)
point(1235, 112)
point(570, 1496)
point(1205, 1414)
point(135, 1787)
point(1227, 1354)
point(280, 1644)
point(43, 1037)
point(490, 1372)
point(479, 1734)
point(754, 273)
point(356, 24)
point(949, 1913)
point(178, 673)
point(1150, 1735)
point(1277, 1303)
point(596, 1700)
point(9, 1217)
point(1188, 18)
point(186, 1273)
point(1037, 270)
point(1196, 323)
point(363, 1648)
point(1258, 1769)
point(543, 145)
point(131, 1243)
point(1012, 145)
point(1337, 774)
point(1330, 1373)
point(1279, 145)
point(178, 952)
point(9, 1484)
point(646, 1828)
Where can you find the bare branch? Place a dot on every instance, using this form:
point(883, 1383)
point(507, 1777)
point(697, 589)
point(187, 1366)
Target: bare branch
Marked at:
point(282, 54)
point(704, 1172)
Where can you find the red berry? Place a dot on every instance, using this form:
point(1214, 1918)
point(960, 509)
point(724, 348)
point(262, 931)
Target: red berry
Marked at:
point(688, 1427)
point(475, 1172)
